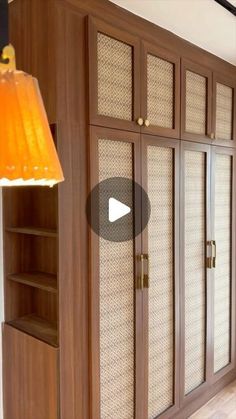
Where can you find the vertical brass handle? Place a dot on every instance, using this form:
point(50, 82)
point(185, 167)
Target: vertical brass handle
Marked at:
point(146, 275)
point(211, 260)
point(213, 253)
point(146, 123)
point(143, 279)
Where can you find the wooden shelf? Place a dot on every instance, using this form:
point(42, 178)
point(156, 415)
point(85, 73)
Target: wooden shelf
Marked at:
point(35, 231)
point(41, 280)
point(37, 327)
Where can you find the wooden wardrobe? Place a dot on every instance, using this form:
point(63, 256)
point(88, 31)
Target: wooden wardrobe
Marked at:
point(121, 330)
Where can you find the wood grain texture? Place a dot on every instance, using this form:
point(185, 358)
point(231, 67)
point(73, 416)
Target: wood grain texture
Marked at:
point(36, 327)
point(222, 406)
point(47, 282)
point(30, 373)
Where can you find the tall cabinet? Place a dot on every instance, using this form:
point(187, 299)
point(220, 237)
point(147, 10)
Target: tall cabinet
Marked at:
point(162, 346)
point(144, 328)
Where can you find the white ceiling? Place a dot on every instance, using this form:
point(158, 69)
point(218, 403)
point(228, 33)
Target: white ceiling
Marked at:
point(203, 22)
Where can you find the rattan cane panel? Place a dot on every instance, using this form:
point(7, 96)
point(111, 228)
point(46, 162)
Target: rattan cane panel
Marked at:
point(160, 166)
point(160, 92)
point(196, 103)
point(224, 111)
point(195, 277)
point(116, 300)
point(222, 282)
point(114, 78)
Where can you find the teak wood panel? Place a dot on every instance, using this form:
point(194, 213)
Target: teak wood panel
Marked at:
point(194, 68)
point(230, 269)
point(167, 58)
point(132, 139)
point(30, 371)
point(185, 399)
point(165, 146)
point(124, 39)
point(228, 83)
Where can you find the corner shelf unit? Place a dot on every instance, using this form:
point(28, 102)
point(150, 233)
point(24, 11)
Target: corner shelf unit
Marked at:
point(30, 220)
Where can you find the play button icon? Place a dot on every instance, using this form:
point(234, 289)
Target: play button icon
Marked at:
point(118, 209)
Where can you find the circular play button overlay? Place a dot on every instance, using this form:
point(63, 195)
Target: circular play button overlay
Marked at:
point(118, 209)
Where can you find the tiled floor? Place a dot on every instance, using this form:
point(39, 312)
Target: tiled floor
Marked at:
point(222, 406)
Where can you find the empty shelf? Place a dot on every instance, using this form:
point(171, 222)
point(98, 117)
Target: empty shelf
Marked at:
point(36, 231)
point(41, 280)
point(37, 327)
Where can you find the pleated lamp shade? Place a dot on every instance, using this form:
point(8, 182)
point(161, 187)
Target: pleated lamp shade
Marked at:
point(27, 152)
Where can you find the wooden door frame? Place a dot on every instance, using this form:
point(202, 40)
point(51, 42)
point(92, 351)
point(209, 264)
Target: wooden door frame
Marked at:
point(227, 81)
point(174, 59)
point(198, 391)
point(97, 133)
point(207, 73)
point(231, 366)
point(175, 146)
point(95, 25)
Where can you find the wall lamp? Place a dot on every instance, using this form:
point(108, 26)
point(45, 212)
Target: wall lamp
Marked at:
point(27, 152)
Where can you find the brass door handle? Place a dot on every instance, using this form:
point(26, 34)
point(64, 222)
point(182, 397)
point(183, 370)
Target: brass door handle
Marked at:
point(213, 253)
point(140, 121)
point(146, 123)
point(211, 260)
point(143, 279)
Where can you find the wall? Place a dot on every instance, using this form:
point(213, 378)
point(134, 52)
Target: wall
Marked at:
point(203, 22)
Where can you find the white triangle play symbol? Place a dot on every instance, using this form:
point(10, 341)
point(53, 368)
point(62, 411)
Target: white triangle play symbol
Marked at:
point(117, 210)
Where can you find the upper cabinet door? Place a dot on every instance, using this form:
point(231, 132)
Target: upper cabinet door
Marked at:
point(114, 77)
point(160, 98)
point(196, 102)
point(224, 111)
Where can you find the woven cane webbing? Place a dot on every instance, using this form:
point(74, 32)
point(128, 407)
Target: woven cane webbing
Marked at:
point(195, 279)
point(224, 111)
point(196, 102)
point(160, 92)
point(116, 301)
point(160, 165)
point(114, 78)
point(222, 271)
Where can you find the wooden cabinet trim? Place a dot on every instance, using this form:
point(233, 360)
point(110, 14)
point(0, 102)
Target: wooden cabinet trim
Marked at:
point(198, 391)
point(227, 80)
point(147, 140)
point(207, 73)
point(97, 133)
point(231, 366)
point(174, 59)
point(94, 26)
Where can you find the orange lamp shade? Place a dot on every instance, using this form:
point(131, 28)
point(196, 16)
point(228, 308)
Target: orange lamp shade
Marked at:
point(27, 152)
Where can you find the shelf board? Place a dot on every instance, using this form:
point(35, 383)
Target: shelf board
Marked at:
point(37, 327)
point(35, 231)
point(41, 280)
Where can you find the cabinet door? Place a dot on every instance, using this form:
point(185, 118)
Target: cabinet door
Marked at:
point(114, 77)
point(195, 276)
point(160, 240)
point(160, 98)
point(196, 102)
point(223, 215)
point(224, 111)
point(116, 306)
point(30, 373)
